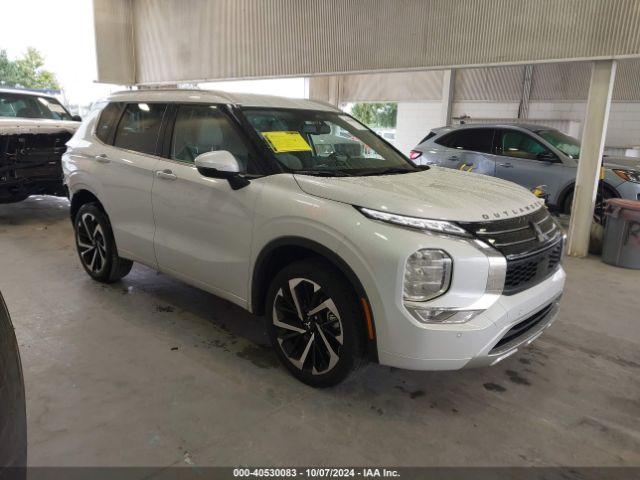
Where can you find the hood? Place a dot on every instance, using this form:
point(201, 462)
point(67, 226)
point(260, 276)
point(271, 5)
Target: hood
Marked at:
point(437, 193)
point(10, 125)
point(630, 163)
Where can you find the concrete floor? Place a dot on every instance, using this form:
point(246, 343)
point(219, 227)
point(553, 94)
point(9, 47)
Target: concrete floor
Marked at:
point(153, 372)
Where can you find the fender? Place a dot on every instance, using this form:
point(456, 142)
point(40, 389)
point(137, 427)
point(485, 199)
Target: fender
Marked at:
point(261, 269)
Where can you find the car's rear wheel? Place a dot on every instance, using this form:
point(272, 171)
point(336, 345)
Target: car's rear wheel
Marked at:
point(315, 323)
point(97, 247)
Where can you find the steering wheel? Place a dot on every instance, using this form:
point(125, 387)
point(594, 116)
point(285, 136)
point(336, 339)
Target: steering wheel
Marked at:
point(332, 160)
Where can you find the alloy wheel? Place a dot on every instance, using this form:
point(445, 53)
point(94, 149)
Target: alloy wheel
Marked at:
point(91, 243)
point(308, 326)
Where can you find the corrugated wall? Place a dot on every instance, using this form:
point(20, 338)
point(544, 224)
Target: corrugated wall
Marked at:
point(499, 84)
point(392, 86)
point(113, 21)
point(188, 40)
point(627, 86)
point(564, 82)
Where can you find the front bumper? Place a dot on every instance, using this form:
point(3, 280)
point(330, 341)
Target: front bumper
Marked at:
point(533, 326)
point(479, 342)
point(629, 190)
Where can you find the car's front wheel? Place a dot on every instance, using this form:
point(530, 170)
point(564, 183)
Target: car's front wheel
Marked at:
point(315, 323)
point(97, 247)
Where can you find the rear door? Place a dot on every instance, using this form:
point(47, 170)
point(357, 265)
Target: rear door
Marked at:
point(468, 149)
point(527, 162)
point(126, 170)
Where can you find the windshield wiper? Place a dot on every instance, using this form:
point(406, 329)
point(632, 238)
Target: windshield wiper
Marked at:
point(390, 171)
point(323, 173)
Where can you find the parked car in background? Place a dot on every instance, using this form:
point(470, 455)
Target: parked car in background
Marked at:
point(34, 129)
point(349, 252)
point(13, 419)
point(529, 155)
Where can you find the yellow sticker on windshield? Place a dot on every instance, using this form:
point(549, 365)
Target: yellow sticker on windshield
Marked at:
point(281, 142)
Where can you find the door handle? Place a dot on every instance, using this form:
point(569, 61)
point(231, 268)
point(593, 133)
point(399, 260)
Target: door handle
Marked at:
point(453, 158)
point(102, 158)
point(505, 165)
point(166, 174)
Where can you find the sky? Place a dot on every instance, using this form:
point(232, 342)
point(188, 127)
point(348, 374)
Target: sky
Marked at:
point(63, 32)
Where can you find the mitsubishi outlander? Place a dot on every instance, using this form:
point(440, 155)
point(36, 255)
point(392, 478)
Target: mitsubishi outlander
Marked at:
point(298, 212)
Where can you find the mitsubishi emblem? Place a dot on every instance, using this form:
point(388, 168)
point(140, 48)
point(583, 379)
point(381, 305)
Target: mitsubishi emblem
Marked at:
point(540, 235)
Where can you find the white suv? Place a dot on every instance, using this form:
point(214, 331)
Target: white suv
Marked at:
point(296, 211)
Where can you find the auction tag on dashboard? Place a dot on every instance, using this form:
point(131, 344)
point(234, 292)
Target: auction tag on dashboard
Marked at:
point(281, 142)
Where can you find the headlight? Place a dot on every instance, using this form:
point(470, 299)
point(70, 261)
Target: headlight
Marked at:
point(628, 175)
point(427, 275)
point(439, 226)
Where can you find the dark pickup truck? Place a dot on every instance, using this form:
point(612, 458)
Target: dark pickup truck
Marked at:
point(34, 130)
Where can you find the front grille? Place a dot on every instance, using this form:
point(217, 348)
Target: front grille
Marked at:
point(525, 272)
point(523, 327)
point(532, 245)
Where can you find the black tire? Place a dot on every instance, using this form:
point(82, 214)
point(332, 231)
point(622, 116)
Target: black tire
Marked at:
point(604, 193)
point(566, 205)
point(315, 283)
point(96, 246)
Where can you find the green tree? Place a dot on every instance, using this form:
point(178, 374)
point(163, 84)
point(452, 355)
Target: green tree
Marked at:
point(26, 72)
point(376, 114)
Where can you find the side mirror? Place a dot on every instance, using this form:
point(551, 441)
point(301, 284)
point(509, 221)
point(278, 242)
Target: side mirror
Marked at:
point(76, 118)
point(221, 164)
point(547, 157)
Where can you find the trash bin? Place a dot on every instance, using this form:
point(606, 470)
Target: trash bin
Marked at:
point(622, 233)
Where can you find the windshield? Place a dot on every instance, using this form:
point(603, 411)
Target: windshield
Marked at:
point(325, 143)
point(31, 106)
point(566, 144)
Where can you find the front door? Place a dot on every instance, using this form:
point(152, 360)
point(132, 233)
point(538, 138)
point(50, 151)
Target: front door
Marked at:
point(527, 162)
point(203, 227)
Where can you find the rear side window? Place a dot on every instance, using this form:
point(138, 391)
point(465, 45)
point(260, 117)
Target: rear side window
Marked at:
point(107, 122)
point(472, 139)
point(139, 127)
point(431, 135)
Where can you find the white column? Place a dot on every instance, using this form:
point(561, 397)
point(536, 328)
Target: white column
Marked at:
point(448, 84)
point(603, 75)
point(525, 94)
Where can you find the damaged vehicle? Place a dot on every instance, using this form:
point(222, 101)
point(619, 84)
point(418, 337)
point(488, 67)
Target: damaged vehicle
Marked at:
point(34, 130)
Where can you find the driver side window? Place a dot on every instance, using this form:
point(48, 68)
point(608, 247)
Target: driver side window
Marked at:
point(204, 128)
point(513, 143)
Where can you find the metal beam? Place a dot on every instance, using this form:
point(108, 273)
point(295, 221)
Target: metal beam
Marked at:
point(448, 89)
point(595, 129)
point(523, 108)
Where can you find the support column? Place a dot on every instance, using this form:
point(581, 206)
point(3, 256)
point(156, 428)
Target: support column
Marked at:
point(603, 76)
point(523, 108)
point(448, 88)
point(326, 89)
point(335, 87)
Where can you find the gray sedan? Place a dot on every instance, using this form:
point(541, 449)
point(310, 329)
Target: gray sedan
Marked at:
point(529, 155)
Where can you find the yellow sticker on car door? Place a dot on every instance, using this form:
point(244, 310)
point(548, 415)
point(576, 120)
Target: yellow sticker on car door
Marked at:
point(281, 142)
